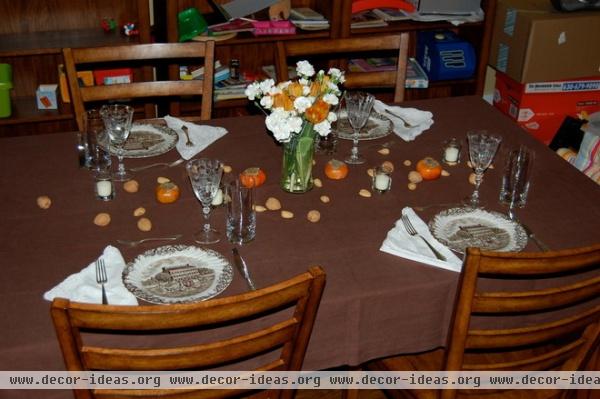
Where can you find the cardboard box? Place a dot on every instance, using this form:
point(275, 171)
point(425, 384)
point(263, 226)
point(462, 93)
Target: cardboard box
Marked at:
point(540, 108)
point(46, 96)
point(85, 78)
point(446, 6)
point(532, 42)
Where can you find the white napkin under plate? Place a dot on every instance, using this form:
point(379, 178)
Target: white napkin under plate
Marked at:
point(419, 120)
point(201, 135)
point(82, 286)
point(398, 242)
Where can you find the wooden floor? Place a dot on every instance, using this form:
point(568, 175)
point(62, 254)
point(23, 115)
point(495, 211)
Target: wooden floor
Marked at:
point(337, 394)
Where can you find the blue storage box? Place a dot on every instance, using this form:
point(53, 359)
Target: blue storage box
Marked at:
point(445, 56)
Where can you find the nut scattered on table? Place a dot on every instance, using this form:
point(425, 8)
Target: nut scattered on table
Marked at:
point(364, 193)
point(384, 151)
point(144, 224)
point(162, 179)
point(445, 173)
point(287, 214)
point(314, 216)
point(139, 211)
point(44, 202)
point(259, 208)
point(131, 186)
point(414, 177)
point(273, 204)
point(412, 186)
point(472, 178)
point(388, 166)
point(371, 172)
point(469, 164)
point(227, 168)
point(324, 199)
point(102, 219)
point(317, 182)
point(407, 162)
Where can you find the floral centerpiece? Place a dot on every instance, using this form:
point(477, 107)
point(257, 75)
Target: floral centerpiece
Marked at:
point(297, 111)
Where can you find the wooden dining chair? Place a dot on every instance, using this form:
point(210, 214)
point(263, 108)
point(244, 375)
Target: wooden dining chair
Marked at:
point(556, 327)
point(142, 55)
point(259, 328)
point(352, 47)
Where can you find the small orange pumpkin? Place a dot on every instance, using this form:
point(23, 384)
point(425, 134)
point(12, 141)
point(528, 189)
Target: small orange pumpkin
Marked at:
point(429, 168)
point(167, 193)
point(253, 177)
point(336, 170)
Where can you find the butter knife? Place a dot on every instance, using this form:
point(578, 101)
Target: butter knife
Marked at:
point(243, 268)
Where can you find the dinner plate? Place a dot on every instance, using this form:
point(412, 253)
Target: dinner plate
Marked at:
point(146, 140)
point(459, 228)
point(377, 126)
point(177, 274)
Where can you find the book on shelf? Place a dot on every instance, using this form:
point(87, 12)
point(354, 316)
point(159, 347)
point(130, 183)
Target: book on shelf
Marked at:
point(366, 19)
point(221, 72)
point(390, 14)
point(306, 14)
point(235, 25)
point(269, 70)
point(416, 78)
point(229, 89)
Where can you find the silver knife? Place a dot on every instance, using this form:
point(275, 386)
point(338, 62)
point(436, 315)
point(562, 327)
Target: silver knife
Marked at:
point(241, 265)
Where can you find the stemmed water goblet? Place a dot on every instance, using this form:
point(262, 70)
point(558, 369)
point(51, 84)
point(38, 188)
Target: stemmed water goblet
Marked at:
point(205, 177)
point(482, 149)
point(117, 119)
point(358, 108)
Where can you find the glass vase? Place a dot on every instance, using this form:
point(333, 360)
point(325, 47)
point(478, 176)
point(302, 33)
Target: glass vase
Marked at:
point(296, 174)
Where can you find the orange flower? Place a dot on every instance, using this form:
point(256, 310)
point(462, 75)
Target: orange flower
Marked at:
point(317, 112)
point(294, 89)
point(284, 101)
point(315, 89)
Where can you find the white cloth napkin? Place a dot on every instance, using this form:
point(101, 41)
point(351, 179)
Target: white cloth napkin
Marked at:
point(398, 242)
point(201, 135)
point(82, 286)
point(419, 120)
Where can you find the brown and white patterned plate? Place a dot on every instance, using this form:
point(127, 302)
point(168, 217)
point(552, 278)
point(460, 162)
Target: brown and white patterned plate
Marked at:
point(177, 274)
point(459, 228)
point(146, 140)
point(377, 126)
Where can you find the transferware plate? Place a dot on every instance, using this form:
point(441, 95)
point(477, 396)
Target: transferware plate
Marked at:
point(177, 274)
point(146, 140)
point(459, 228)
point(377, 126)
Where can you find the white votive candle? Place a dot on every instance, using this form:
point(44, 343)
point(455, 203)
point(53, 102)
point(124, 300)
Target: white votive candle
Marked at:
point(382, 182)
point(451, 154)
point(218, 200)
point(104, 188)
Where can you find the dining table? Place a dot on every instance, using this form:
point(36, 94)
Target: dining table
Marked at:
point(374, 304)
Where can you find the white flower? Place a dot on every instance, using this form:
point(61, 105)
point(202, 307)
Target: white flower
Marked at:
point(266, 85)
point(331, 99)
point(335, 74)
point(301, 104)
point(266, 102)
point(274, 90)
point(253, 91)
point(304, 68)
point(305, 90)
point(283, 123)
point(323, 128)
point(332, 117)
point(304, 82)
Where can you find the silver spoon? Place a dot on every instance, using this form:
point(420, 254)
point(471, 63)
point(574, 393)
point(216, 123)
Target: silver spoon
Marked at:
point(187, 136)
point(134, 243)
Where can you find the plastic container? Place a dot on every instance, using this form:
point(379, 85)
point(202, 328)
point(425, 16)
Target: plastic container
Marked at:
point(191, 24)
point(5, 86)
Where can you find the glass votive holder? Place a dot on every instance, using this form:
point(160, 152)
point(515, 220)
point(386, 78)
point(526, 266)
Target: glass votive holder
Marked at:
point(103, 186)
point(382, 179)
point(451, 154)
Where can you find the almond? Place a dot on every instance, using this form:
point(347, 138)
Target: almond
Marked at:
point(44, 202)
point(364, 193)
point(324, 199)
point(287, 214)
point(317, 182)
point(139, 211)
point(102, 219)
point(131, 186)
point(144, 224)
point(273, 204)
point(313, 216)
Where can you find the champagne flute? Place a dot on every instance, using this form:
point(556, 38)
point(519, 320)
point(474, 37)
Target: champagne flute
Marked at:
point(205, 177)
point(358, 108)
point(482, 149)
point(118, 118)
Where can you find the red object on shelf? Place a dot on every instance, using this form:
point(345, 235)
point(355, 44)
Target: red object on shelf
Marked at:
point(361, 5)
point(273, 28)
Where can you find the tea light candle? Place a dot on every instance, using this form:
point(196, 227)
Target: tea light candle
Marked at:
point(451, 154)
point(218, 200)
point(104, 188)
point(382, 181)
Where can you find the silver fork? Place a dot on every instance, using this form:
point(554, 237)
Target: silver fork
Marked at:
point(188, 142)
point(133, 243)
point(406, 124)
point(102, 278)
point(167, 164)
point(413, 232)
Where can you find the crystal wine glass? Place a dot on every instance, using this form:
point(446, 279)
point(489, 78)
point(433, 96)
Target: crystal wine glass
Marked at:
point(205, 176)
point(358, 108)
point(482, 148)
point(118, 118)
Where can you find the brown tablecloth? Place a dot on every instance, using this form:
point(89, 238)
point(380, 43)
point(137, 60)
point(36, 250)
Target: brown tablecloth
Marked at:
point(374, 304)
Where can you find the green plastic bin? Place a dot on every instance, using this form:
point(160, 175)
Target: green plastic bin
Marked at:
point(190, 23)
point(5, 86)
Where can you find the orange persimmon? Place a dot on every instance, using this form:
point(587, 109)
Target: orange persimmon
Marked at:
point(429, 168)
point(167, 193)
point(253, 177)
point(335, 169)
